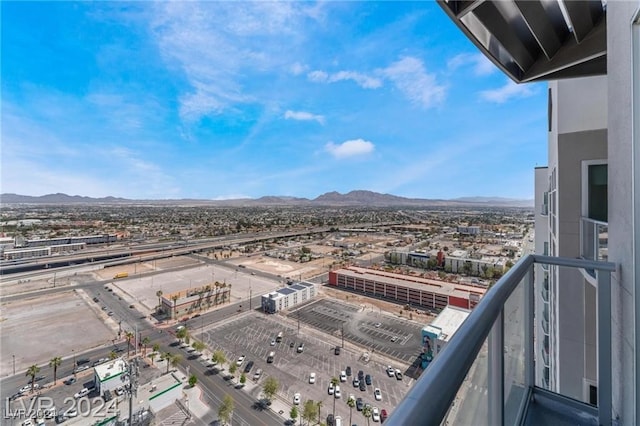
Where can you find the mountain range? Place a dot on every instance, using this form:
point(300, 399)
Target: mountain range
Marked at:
point(353, 198)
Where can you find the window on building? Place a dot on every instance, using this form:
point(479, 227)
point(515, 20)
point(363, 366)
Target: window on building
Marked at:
point(597, 204)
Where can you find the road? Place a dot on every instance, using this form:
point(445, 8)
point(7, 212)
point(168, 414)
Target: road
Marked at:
point(214, 387)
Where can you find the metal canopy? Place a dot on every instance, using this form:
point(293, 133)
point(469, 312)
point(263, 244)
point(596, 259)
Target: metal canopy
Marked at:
point(534, 40)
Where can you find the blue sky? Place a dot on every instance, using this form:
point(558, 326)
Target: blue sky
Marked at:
point(222, 100)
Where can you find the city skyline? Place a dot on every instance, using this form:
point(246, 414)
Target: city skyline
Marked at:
point(243, 100)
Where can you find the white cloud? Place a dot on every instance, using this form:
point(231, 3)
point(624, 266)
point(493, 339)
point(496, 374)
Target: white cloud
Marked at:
point(479, 63)
point(298, 68)
point(411, 78)
point(507, 92)
point(350, 148)
point(303, 116)
point(213, 47)
point(362, 80)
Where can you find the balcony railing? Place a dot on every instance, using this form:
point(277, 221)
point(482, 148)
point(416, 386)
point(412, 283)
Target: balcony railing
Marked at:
point(494, 349)
point(594, 239)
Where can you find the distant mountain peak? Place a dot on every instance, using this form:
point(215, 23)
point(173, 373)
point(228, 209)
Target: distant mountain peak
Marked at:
point(352, 198)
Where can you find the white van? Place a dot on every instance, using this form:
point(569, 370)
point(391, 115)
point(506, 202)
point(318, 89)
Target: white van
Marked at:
point(82, 392)
point(337, 421)
point(270, 357)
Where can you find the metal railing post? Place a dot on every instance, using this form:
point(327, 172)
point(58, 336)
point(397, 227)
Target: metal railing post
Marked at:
point(495, 376)
point(604, 347)
point(529, 325)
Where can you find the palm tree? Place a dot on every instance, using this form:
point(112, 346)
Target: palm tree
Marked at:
point(113, 355)
point(32, 371)
point(129, 336)
point(159, 294)
point(175, 313)
point(55, 363)
point(351, 403)
point(152, 355)
point(156, 347)
point(175, 360)
point(145, 343)
point(334, 382)
point(366, 412)
point(320, 406)
point(167, 357)
point(198, 346)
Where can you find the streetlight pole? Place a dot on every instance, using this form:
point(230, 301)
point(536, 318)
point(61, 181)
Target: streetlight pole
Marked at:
point(343, 335)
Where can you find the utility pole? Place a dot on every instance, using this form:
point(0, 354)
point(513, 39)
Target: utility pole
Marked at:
point(250, 298)
point(133, 386)
point(14, 364)
point(343, 335)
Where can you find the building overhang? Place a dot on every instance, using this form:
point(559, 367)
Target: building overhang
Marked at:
point(536, 40)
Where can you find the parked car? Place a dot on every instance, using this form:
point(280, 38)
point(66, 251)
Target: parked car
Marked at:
point(312, 378)
point(337, 393)
point(257, 374)
point(367, 379)
point(348, 370)
point(273, 342)
point(359, 404)
point(330, 420)
point(331, 389)
point(343, 376)
point(356, 382)
point(363, 387)
point(337, 350)
point(383, 415)
point(296, 398)
point(240, 360)
point(360, 375)
point(70, 381)
point(391, 372)
point(398, 374)
point(375, 414)
point(300, 348)
point(377, 394)
point(248, 367)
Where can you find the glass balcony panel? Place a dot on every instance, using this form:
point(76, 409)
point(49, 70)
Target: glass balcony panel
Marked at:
point(514, 347)
point(470, 406)
point(594, 239)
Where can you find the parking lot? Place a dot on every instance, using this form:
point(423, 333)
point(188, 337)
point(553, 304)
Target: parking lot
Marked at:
point(377, 331)
point(251, 334)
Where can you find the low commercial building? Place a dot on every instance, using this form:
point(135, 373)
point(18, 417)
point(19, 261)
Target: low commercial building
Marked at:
point(475, 267)
point(288, 297)
point(110, 375)
point(186, 302)
point(417, 291)
point(436, 335)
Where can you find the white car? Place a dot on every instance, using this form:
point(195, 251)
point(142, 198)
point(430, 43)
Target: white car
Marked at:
point(312, 378)
point(337, 393)
point(375, 414)
point(331, 389)
point(343, 376)
point(377, 394)
point(71, 412)
point(273, 342)
point(240, 360)
point(82, 392)
point(28, 422)
point(391, 372)
point(296, 399)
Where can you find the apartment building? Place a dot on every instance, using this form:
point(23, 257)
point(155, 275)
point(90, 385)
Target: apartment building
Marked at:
point(287, 297)
point(571, 319)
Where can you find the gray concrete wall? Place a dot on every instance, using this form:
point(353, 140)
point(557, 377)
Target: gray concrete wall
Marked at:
point(624, 217)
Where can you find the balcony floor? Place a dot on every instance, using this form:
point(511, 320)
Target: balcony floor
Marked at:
point(547, 408)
